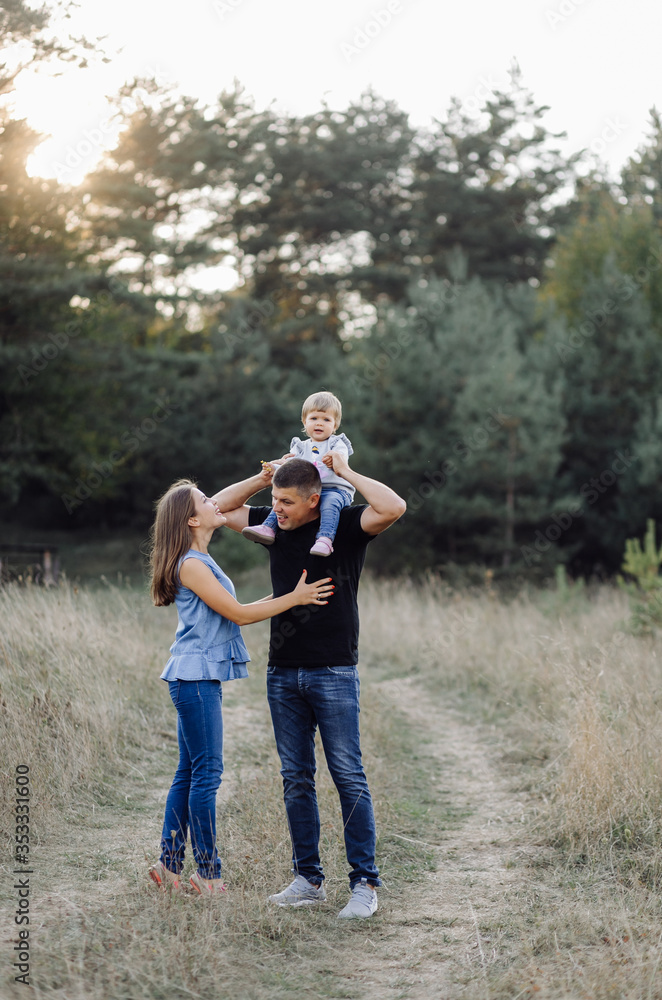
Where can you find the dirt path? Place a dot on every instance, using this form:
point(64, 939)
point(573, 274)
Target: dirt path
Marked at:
point(428, 943)
point(432, 943)
point(434, 939)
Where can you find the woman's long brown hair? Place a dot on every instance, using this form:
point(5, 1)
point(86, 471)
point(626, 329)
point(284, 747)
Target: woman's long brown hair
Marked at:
point(170, 538)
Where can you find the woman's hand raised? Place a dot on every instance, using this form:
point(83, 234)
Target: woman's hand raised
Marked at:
point(313, 593)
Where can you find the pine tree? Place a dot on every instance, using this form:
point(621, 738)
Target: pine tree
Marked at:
point(641, 178)
point(492, 187)
point(613, 372)
point(465, 411)
point(56, 305)
point(605, 229)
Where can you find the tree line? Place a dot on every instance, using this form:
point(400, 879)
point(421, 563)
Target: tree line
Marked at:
point(487, 309)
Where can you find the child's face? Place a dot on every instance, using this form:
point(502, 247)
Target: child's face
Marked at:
point(319, 424)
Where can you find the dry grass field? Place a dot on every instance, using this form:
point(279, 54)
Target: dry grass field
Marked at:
point(514, 751)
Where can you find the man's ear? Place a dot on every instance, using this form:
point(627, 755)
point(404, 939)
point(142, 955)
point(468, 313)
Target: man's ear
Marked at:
point(316, 498)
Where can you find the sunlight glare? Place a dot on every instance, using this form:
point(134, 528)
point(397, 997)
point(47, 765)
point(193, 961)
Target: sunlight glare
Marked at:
point(75, 134)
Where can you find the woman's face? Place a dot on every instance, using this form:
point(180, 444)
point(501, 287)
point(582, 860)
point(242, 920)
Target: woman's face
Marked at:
point(207, 513)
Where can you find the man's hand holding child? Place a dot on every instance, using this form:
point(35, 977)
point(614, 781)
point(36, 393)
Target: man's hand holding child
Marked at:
point(337, 460)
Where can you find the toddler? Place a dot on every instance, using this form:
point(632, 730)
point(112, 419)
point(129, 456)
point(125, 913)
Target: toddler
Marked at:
point(320, 414)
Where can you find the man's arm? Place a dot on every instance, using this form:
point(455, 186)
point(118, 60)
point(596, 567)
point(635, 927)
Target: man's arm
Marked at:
point(232, 499)
point(385, 506)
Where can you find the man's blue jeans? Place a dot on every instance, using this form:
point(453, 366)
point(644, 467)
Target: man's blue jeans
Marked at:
point(300, 699)
point(191, 801)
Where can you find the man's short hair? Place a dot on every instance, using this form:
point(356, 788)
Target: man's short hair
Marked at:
point(299, 474)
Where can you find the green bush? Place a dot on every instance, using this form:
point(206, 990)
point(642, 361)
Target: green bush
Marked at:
point(644, 588)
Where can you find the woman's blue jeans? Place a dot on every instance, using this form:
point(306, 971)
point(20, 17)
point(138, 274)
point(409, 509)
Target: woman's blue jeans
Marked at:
point(191, 801)
point(300, 699)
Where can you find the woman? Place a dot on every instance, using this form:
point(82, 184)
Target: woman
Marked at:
point(208, 650)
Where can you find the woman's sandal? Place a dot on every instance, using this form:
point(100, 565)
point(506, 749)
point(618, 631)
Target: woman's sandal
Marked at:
point(207, 886)
point(164, 878)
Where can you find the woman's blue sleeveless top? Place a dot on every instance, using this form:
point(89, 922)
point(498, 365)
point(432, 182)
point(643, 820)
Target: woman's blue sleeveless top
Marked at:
point(207, 646)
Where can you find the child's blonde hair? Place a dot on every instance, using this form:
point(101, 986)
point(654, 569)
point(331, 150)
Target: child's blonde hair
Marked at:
point(322, 401)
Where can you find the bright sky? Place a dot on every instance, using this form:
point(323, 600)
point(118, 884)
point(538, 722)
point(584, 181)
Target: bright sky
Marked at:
point(595, 62)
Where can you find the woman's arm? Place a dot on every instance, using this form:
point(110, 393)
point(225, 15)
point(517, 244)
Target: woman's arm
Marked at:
point(236, 495)
point(232, 500)
point(200, 579)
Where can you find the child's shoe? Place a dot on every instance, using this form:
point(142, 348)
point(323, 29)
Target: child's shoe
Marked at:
point(207, 886)
point(322, 547)
point(259, 533)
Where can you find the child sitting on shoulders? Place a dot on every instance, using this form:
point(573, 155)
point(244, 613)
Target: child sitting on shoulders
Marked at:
point(320, 414)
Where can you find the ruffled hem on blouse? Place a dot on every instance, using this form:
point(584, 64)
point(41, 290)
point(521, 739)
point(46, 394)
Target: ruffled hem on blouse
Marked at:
point(225, 662)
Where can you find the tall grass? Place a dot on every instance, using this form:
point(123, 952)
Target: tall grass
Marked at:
point(84, 708)
point(77, 671)
point(578, 695)
point(573, 698)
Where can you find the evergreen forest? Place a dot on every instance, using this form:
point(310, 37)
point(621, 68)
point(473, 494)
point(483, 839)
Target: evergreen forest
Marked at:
point(488, 309)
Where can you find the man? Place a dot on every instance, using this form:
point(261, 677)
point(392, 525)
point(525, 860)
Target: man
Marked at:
point(312, 676)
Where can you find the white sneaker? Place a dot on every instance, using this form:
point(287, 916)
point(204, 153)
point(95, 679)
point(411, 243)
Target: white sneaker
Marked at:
point(301, 892)
point(362, 902)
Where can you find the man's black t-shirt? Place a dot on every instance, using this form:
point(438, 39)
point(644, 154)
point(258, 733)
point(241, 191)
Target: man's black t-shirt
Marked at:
point(314, 635)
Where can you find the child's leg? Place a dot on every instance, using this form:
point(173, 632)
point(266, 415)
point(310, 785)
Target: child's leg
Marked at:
point(332, 501)
point(264, 533)
point(271, 521)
